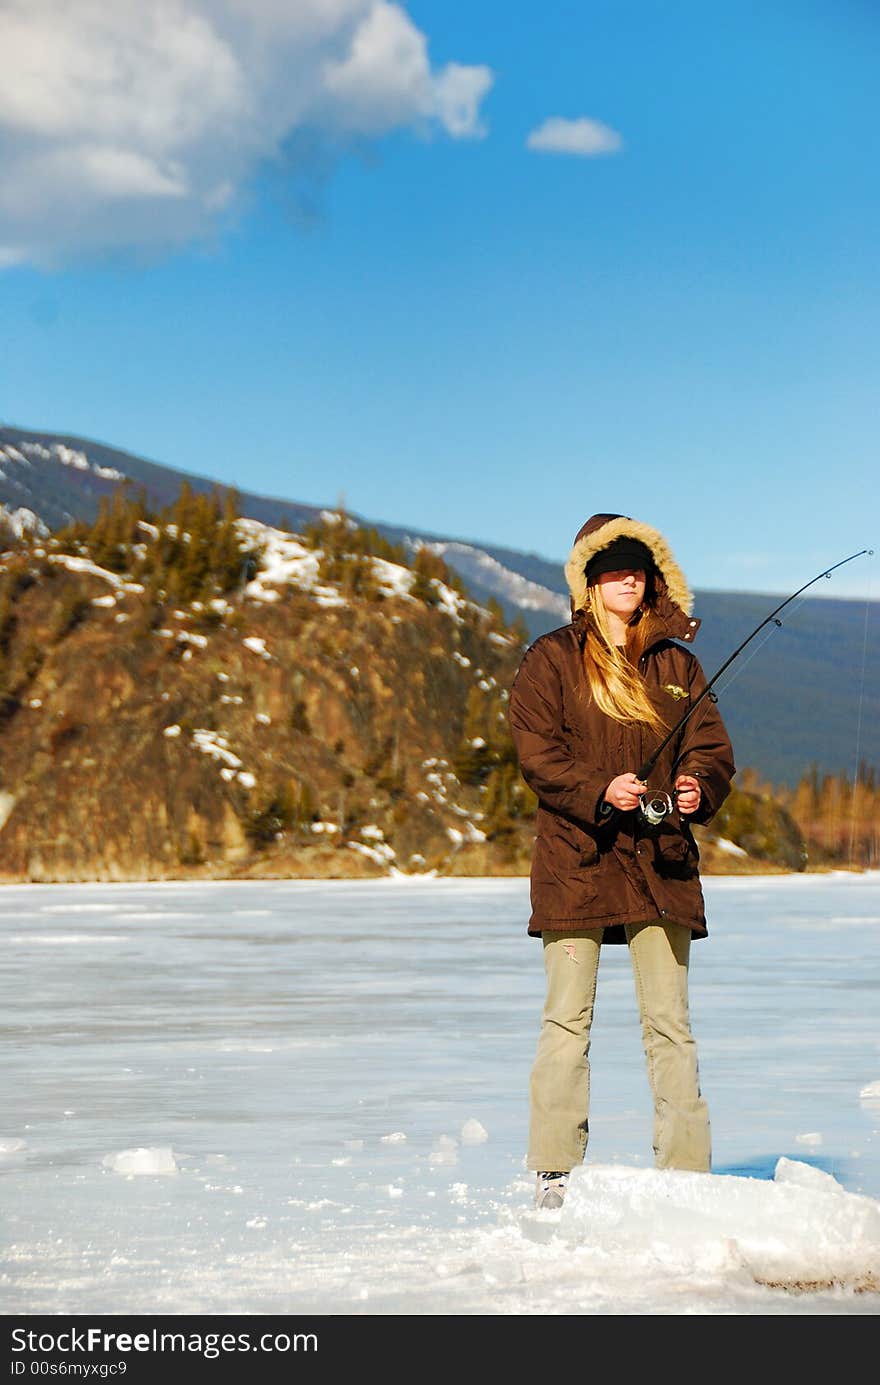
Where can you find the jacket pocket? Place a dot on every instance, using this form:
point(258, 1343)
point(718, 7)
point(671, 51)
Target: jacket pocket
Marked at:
point(575, 843)
point(564, 849)
point(676, 854)
point(590, 855)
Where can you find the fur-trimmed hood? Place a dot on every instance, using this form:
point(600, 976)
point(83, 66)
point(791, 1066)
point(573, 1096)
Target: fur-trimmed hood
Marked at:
point(672, 596)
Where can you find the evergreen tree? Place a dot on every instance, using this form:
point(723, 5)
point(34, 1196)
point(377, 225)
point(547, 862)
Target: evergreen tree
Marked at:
point(427, 568)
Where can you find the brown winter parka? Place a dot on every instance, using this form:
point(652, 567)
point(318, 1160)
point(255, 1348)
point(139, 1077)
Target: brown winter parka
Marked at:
point(595, 871)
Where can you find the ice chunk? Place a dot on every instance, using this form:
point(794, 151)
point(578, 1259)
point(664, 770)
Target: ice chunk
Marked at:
point(159, 1159)
point(445, 1151)
point(472, 1133)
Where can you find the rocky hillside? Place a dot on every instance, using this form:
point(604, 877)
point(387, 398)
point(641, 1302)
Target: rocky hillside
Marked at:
point(199, 694)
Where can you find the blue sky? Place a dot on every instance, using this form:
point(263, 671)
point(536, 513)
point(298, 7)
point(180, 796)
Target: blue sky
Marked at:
point(332, 250)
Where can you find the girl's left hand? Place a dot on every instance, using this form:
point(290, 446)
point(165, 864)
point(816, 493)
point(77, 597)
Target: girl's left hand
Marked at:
point(688, 794)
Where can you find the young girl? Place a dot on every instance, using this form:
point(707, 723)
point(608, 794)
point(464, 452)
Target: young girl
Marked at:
point(590, 704)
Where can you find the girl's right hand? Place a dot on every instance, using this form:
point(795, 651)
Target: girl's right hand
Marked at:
point(624, 792)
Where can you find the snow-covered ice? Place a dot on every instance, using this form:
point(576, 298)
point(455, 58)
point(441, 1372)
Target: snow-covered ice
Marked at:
point(305, 1097)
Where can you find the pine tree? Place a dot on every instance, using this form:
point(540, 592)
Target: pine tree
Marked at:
point(427, 568)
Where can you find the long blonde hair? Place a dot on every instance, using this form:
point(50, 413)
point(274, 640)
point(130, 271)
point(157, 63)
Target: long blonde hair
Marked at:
point(617, 687)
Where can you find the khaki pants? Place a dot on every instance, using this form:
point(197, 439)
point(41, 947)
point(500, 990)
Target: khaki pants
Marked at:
point(560, 1080)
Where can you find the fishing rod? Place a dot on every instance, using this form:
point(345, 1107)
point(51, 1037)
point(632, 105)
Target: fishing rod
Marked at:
point(656, 806)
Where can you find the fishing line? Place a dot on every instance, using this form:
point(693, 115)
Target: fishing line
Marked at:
point(656, 809)
point(852, 829)
point(722, 687)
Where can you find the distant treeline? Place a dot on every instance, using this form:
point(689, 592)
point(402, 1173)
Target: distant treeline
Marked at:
point(189, 551)
point(826, 820)
point(192, 550)
point(838, 815)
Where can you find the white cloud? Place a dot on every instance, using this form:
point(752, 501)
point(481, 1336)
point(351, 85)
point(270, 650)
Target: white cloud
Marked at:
point(112, 172)
point(385, 79)
point(135, 124)
point(584, 137)
point(458, 92)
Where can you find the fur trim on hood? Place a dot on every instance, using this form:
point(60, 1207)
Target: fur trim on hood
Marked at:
point(602, 530)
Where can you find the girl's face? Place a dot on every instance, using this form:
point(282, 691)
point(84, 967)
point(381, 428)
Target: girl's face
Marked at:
point(622, 591)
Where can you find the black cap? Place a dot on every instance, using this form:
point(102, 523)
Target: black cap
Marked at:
point(622, 553)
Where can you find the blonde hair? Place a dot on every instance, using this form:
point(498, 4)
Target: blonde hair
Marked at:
point(617, 687)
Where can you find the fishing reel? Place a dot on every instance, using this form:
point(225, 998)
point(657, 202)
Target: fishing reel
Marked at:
point(655, 805)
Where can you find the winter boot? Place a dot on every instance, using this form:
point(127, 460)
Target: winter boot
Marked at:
point(550, 1192)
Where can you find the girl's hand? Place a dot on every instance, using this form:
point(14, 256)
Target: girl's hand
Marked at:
point(624, 792)
point(687, 794)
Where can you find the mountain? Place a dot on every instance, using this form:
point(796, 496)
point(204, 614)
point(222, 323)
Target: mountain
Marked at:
point(800, 696)
point(53, 478)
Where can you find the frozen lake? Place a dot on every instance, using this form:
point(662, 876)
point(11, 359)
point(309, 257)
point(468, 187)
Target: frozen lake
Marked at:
point(334, 1075)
